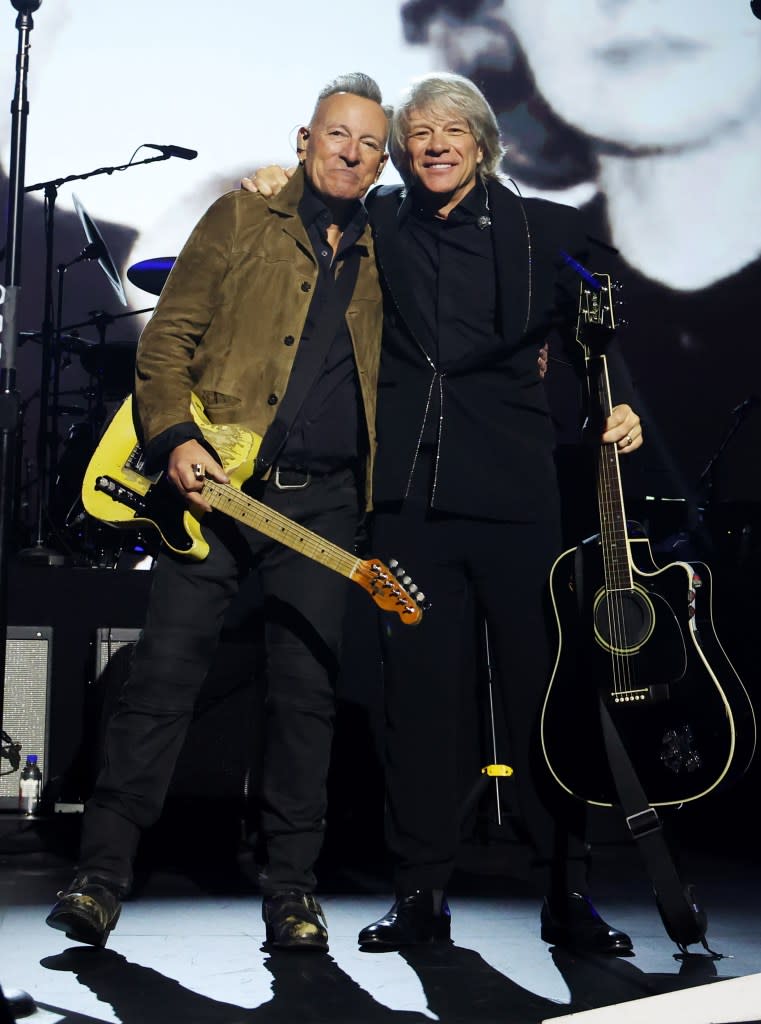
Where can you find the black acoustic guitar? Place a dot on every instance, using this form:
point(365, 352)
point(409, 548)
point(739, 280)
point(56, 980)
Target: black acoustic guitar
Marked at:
point(640, 638)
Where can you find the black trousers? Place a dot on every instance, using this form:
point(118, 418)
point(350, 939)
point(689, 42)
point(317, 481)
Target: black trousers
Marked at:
point(304, 607)
point(500, 571)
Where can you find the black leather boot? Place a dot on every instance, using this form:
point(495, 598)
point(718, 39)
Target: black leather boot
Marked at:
point(422, 916)
point(294, 920)
point(575, 925)
point(87, 911)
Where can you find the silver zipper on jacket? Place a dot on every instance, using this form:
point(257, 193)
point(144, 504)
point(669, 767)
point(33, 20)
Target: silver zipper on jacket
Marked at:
point(422, 429)
point(436, 374)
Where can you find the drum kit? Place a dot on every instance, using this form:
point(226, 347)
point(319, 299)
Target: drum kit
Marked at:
point(65, 534)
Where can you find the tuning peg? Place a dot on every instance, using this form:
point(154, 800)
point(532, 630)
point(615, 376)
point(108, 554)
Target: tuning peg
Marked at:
point(393, 564)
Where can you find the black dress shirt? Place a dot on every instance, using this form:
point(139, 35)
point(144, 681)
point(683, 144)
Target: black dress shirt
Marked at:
point(451, 268)
point(328, 430)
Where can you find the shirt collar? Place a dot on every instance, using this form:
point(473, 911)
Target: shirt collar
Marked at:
point(474, 205)
point(312, 210)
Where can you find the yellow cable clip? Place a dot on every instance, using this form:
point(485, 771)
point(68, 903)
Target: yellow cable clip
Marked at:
point(497, 770)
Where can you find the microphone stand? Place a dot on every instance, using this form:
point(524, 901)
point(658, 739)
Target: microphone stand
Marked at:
point(90, 252)
point(10, 294)
point(46, 431)
point(707, 479)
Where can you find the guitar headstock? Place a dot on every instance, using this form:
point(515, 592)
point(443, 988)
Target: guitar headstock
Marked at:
point(596, 319)
point(392, 589)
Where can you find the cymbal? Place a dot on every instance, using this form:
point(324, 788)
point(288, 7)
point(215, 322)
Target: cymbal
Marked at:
point(151, 275)
point(104, 257)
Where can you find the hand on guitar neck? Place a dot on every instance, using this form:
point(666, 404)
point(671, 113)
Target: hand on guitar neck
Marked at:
point(623, 428)
point(189, 464)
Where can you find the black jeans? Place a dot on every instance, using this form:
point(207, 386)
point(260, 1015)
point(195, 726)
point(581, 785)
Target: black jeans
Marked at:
point(304, 608)
point(498, 570)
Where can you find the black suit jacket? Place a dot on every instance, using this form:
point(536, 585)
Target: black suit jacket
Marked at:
point(497, 439)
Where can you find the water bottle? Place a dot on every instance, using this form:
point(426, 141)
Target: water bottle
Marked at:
point(30, 786)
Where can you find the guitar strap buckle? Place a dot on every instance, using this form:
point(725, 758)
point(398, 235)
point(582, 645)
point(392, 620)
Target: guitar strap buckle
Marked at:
point(643, 823)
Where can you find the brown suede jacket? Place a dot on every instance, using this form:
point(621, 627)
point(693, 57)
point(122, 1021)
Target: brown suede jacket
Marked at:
point(230, 316)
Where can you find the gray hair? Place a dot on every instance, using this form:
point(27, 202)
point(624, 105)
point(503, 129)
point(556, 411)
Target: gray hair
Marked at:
point(357, 84)
point(450, 93)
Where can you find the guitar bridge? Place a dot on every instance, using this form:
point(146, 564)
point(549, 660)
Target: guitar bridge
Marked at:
point(651, 694)
point(629, 696)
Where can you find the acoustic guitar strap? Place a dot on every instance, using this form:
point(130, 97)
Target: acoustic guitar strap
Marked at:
point(685, 922)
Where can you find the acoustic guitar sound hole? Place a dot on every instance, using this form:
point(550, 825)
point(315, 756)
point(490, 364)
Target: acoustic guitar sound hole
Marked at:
point(623, 620)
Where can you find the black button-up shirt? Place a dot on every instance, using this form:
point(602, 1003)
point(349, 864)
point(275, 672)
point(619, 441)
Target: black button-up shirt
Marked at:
point(451, 267)
point(327, 432)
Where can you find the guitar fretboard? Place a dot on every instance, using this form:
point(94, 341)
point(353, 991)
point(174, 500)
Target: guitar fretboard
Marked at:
point(614, 539)
point(261, 517)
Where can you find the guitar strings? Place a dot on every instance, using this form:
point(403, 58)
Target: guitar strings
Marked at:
point(273, 524)
point(279, 527)
point(614, 540)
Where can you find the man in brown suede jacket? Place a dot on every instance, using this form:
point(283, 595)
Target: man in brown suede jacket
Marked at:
point(261, 313)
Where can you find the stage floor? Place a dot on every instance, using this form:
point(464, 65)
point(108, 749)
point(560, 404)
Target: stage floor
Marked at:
point(188, 950)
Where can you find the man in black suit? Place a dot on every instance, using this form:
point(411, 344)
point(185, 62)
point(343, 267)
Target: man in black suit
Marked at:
point(465, 491)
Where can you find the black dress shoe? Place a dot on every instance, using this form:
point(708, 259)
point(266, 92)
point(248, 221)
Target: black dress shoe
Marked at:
point(423, 916)
point(87, 911)
point(575, 925)
point(19, 1003)
point(294, 920)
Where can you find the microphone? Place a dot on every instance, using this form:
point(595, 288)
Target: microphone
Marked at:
point(744, 407)
point(183, 154)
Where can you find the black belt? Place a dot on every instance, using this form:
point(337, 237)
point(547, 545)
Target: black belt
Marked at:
point(291, 478)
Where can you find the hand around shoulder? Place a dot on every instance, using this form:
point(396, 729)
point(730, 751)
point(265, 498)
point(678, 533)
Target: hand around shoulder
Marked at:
point(268, 181)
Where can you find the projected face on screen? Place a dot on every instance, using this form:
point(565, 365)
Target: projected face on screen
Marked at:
point(642, 74)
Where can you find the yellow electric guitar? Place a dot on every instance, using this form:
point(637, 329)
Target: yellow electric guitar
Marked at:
point(117, 491)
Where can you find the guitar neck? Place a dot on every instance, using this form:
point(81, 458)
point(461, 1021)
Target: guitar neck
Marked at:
point(614, 537)
point(261, 517)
